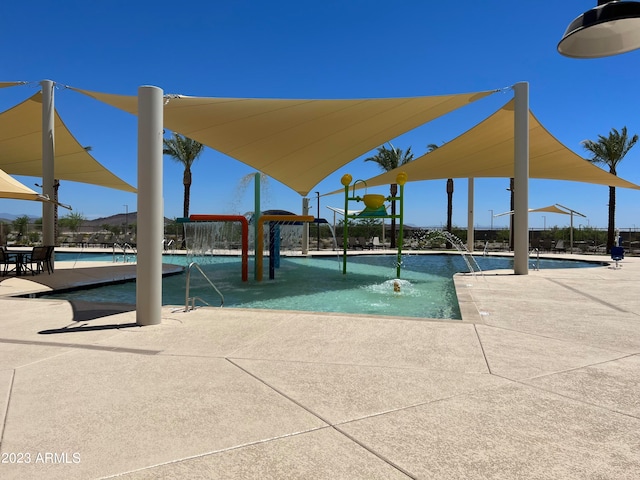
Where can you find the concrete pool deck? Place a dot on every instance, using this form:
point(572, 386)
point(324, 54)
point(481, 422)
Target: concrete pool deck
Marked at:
point(540, 380)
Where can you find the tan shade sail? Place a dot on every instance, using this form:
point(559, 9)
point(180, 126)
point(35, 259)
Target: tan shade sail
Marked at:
point(11, 188)
point(10, 84)
point(297, 142)
point(487, 150)
point(21, 148)
point(550, 209)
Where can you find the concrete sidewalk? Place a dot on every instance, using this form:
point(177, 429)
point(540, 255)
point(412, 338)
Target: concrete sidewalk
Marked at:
point(541, 380)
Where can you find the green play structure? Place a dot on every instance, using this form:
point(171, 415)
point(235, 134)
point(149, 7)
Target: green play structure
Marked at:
point(374, 208)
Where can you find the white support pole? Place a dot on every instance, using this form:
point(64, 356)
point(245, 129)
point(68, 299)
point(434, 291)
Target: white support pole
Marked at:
point(521, 180)
point(571, 235)
point(470, 203)
point(48, 162)
point(150, 207)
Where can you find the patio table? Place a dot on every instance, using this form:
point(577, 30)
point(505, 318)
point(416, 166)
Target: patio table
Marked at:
point(19, 256)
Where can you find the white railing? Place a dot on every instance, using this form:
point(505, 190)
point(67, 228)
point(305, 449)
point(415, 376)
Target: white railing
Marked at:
point(124, 247)
point(190, 302)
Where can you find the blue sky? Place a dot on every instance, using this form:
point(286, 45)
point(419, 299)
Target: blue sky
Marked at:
point(321, 49)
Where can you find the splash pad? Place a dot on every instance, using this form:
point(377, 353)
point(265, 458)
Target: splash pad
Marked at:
point(276, 230)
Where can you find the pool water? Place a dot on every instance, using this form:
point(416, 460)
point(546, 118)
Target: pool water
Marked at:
point(425, 289)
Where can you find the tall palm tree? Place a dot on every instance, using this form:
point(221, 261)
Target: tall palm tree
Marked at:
point(388, 159)
point(430, 148)
point(610, 151)
point(185, 151)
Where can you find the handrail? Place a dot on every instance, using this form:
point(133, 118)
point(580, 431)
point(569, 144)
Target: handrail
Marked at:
point(187, 298)
point(537, 252)
point(124, 248)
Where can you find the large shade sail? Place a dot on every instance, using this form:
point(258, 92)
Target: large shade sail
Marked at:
point(487, 150)
point(297, 142)
point(11, 188)
point(21, 148)
point(10, 84)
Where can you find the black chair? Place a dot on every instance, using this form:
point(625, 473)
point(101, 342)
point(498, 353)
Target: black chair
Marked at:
point(7, 259)
point(38, 260)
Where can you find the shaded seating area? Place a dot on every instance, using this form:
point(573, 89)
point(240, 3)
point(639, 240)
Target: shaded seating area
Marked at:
point(21, 262)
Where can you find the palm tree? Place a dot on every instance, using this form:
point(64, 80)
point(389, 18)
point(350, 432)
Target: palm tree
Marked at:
point(185, 151)
point(430, 148)
point(610, 151)
point(388, 159)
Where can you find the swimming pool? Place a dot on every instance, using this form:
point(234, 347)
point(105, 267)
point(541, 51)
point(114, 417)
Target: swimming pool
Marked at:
point(317, 284)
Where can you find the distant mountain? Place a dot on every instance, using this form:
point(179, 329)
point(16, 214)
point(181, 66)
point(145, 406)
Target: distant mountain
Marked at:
point(117, 219)
point(10, 217)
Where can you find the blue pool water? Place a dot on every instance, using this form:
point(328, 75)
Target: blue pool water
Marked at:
point(317, 284)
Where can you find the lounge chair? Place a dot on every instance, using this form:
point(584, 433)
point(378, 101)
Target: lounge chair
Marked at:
point(544, 245)
point(559, 246)
point(364, 244)
point(376, 243)
point(354, 244)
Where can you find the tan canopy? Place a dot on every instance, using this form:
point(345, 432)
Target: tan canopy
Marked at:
point(11, 188)
point(21, 148)
point(487, 150)
point(551, 209)
point(297, 142)
point(10, 84)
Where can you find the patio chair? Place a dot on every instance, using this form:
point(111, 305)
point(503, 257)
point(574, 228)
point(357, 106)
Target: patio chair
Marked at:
point(7, 259)
point(617, 254)
point(39, 260)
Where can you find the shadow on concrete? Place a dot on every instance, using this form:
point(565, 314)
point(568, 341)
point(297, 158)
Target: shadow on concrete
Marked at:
point(87, 311)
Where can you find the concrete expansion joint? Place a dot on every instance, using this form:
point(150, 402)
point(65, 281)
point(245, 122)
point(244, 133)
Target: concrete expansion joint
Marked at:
point(590, 297)
point(484, 355)
point(382, 457)
point(574, 398)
